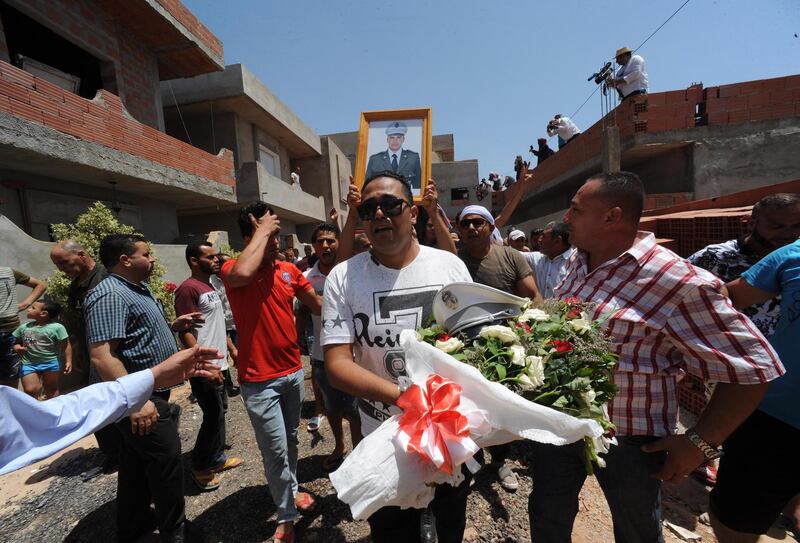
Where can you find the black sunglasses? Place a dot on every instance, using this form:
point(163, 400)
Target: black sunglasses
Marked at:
point(477, 223)
point(390, 205)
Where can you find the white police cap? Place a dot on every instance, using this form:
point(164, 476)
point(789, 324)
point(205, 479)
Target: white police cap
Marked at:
point(460, 307)
point(396, 127)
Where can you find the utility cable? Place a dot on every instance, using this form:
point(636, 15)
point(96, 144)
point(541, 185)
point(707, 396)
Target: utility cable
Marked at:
point(639, 47)
point(175, 103)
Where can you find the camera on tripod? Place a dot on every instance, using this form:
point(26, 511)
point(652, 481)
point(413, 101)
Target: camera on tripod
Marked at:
point(601, 75)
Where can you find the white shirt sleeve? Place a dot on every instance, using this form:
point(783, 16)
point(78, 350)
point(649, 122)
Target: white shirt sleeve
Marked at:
point(635, 69)
point(33, 430)
point(337, 315)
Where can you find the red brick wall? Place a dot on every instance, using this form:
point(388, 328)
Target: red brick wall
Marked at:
point(192, 24)
point(753, 100)
point(662, 111)
point(103, 120)
point(84, 23)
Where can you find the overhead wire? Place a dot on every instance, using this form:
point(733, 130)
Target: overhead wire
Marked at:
point(636, 49)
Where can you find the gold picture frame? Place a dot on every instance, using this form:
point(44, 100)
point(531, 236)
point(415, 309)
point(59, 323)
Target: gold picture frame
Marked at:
point(377, 143)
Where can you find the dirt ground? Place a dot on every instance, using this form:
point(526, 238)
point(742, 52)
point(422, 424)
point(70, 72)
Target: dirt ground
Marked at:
point(48, 501)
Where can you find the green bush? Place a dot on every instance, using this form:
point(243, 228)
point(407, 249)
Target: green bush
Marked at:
point(89, 229)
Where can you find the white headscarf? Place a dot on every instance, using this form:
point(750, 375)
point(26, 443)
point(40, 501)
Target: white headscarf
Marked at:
point(483, 212)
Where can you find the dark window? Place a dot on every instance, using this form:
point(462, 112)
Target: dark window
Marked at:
point(29, 41)
point(461, 193)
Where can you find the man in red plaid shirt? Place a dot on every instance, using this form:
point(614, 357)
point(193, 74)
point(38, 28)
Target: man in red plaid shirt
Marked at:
point(665, 317)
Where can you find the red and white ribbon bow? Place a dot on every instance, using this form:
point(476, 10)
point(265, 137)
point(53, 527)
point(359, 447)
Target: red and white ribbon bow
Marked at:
point(433, 427)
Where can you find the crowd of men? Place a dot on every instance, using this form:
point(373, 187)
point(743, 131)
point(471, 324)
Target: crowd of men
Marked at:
point(665, 315)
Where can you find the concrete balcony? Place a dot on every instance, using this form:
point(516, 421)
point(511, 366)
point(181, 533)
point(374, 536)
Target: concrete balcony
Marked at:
point(183, 45)
point(48, 131)
point(289, 202)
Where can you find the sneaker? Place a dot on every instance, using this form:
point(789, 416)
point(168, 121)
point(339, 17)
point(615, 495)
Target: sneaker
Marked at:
point(508, 479)
point(206, 479)
point(706, 474)
point(229, 463)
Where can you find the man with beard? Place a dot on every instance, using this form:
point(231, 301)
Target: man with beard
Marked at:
point(196, 294)
point(369, 299)
point(337, 404)
point(127, 332)
point(774, 223)
point(503, 268)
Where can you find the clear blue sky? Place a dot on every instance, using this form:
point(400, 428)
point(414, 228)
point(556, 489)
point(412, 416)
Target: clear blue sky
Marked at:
point(494, 71)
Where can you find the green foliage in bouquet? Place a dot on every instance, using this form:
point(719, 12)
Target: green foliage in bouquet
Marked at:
point(89, 229)
point(553, 355)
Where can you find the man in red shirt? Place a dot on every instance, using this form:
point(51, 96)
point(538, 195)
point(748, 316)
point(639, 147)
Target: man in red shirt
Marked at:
point(261, 290)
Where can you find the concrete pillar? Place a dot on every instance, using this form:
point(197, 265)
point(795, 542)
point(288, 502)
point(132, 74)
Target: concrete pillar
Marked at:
point(610, 151)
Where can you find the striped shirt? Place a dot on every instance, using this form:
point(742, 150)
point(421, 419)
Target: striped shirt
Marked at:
point(666, 317)
point(118, 309)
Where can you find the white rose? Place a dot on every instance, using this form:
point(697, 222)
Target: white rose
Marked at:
point(503, 333)
point(517, 355)
point(450, 346)
point(525, 382)
point(535, 370)
point(581, 325)
point(588, 396)
point(534, 315)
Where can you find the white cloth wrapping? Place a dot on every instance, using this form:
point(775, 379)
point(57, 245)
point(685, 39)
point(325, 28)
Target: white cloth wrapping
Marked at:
point(378, 473)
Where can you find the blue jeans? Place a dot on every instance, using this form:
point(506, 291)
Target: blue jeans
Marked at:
point(274, 410)
point(633, 495)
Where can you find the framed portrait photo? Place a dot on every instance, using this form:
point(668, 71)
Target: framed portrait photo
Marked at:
point(395, 140)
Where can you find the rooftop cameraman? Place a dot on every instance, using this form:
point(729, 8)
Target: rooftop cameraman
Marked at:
point(564, 127)
point(630, 79)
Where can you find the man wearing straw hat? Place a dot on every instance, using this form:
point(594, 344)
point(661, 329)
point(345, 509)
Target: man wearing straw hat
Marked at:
point(630, 79)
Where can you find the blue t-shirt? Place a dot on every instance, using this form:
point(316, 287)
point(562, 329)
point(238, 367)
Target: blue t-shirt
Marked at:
point(779, 273)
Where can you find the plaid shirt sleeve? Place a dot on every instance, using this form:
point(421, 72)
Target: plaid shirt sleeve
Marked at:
point(718, 343)
point(106, 315)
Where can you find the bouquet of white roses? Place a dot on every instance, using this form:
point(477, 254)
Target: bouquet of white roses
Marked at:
point(508, 371)
point(552, 354)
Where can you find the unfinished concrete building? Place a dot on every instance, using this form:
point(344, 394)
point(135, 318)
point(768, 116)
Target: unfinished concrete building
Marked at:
point(686, 145)
point(234, 110)
point(81, 117)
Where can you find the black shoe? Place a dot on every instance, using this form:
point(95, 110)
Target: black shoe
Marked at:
point(233, 391)
point(186, 533)
point(427, 526)
point(110, 465)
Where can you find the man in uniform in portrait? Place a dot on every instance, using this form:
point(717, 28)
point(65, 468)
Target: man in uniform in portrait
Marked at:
point(396, 159)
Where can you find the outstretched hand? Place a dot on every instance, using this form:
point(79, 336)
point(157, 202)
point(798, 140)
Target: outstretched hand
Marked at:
point(189, 321)
point(196, 361)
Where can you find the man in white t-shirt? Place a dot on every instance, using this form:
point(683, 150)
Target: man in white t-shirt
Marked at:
point(196, 294)
point(338, 405)
point(369, 299)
